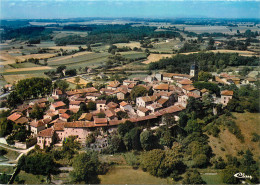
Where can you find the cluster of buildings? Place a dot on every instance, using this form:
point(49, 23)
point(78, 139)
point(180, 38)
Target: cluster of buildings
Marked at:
point(168, 93)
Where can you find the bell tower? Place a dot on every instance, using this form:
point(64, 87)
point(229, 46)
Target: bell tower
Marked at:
point(194, 70)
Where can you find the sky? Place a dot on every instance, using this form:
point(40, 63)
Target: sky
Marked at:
point(48, 9)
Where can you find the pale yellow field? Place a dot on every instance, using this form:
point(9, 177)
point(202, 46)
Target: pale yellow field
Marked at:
point(156, 57)
point(81, 81)
point(242, 53)
point(29, 69)
point(12, 79)
point(71, 56)
point(131, 45)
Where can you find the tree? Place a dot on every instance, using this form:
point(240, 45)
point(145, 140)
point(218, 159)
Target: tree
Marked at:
point(204, 76)
point(101, 115)
point(148, 140)
point(124, 128)
point(228, 175)
point(117, 144)
point(6, 127)
point(37, 112)
point(134, 135)
point(138, 91)
point(62, 85)
point(85, 167)
point(14, 99)
point(37, 164)
point(90, 139)
point(89, 84)
point(162, 163)
point(192, 178)
point(60, 69)
point(91, 105)
point(200, 161)
point(33, 88)
point(89, 48)
point(70, 147)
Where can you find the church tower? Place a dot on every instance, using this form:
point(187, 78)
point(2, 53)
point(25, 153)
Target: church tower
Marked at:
point(194, 70)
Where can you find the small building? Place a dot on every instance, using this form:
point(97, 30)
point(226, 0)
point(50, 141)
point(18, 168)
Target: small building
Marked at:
point(144, 101)
point(86, 116)
point(101, 104)
point(64, 117)
point(113, 85)
point(154, 107)
point(57, 105)
point(37, 126)
point(112, 105)
point(74, 104)
point(142, 111)
point(125, 106)
point(57, 94)
point(45, 138)
point(161, 88)
point(226, 96)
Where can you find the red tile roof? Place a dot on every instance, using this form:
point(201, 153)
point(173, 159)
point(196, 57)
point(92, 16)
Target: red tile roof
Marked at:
point(14, 116)
point(114, 84)
point(143, 109)
point(64, 115)
point(123, 103)
point(86, 116)
point(100, 120)
point(227, 93)
point(21, 120)
point(101, 102)
point(79, 124)
point(112, 105)
point(191, 94)
point(46, 133)
point(58, 104)
point(185, 82)
point(162, 101)
point(162, 87)
point(58, 126)
point(75, 102)
point(36, 123)
point(188, 87)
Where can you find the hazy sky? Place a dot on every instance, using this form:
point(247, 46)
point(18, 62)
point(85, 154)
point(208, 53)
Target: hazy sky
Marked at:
point(129, 8)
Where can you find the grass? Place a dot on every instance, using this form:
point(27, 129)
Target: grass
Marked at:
point(12, 155)
point(133, 55)
point(28, 72)
point(27, 178)
point(248, 123)
point(7, 169)
point(127, 175)
point(212, 179)
point(82, 59)
point(14, 78)
point(24, 65)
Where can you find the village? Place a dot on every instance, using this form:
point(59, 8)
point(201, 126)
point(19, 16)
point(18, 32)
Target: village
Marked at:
point(166, 93)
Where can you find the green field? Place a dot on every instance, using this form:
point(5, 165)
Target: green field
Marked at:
point(212, 179)
point(82, 60)
point(6, 169)
point(127, 175)
point(167, 47)
point(24, 65)
point(133, 55)
point(27, 178)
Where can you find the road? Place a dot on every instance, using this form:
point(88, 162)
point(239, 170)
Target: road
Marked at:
point(4, 95)
point(21, 151)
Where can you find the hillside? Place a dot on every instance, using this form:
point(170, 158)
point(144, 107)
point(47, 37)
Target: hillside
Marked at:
point(227, 143)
